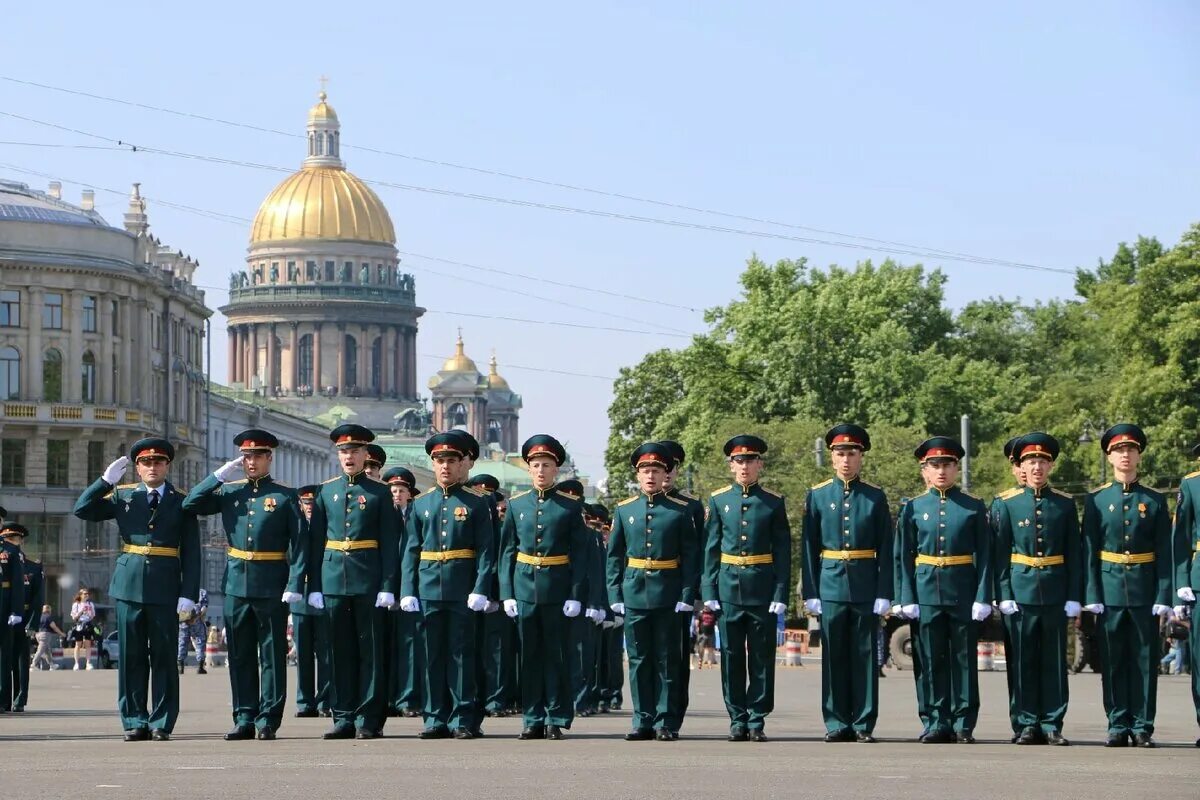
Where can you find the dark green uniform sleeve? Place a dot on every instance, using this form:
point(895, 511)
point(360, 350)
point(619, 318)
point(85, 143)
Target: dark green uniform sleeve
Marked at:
point(1075, 565)
point(96, 504)
point(712, 552)
point(410, 559)
point(317, 533)
point(906, 555)
point(389, 542)
point(204, 498)
point(189, 556)
point(16, 592)
point(810, 546)
point(1002, 525)
point(582, 559)
point(616, 561)
point(597, 591)
point(986, 589)
point(485, 553)
point(882, 522)
point(507, 565)
point(298, 549)
point(1093, 589)
point(781, 551)
point(691, 560)
point(1184, 525)
point(1163, 555)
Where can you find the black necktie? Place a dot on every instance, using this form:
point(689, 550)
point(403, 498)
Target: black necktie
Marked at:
point(153, 500)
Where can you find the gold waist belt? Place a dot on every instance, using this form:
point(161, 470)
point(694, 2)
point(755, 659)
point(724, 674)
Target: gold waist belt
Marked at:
point(1037, 561)
point(847, 555)
point(351, 544)
point(543, 561)
point(150, 550)
point(1127, 558)
point(747, 561)
point(5, 585)
point(650, 563)
point(945, 561)
point(261, 555)
point(446, 555)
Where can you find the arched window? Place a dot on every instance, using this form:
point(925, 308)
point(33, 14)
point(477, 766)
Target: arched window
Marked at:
point(52, 376)
point(456, 416)
point(377, 364)
point(305, 356)
point(320, 144)
point(493, 435)
point(10, 373)
point(88, 374)
point(351, 349)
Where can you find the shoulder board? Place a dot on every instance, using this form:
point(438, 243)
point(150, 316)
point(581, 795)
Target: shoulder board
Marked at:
point(687, 496)
point(331, 480)
point(1007, 493)
point(1061, 493)
point(239, 480)
point(679, 501)
point(768, 491)
point(973, 497)
point(475, 490)
point(31, 561)
point(1101, 488)
point(128, 486)
point(568, 496)
point(520, 494)
point(428, 491)
point(627, 501)
point(375, 480)
point(722, 490)
point(822, 484)
point(1192, 475)
point(872, 485)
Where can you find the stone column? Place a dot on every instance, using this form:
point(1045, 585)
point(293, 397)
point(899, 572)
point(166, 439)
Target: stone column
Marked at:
point(73, 357)
point(144, 356)
point(385, 360)
point(126, 373)
point(316, 350)
point(33, 357)
point(233, 353)
point(341, 358)
point(411, 374)
point(252, 372)
point(364, 359)
point(290, 378)
point(396, 351)
point(104, 359)
point(272, 360)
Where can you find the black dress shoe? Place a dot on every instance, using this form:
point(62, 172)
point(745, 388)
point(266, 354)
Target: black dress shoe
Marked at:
point(583, 712)
point(844, 735)
point(554, 732)
point(181, 668)
point(342, 731)
point(434, 733)
point(965, 737)
point(864, 737)
point(307, 712)
point(603, 708)
point(1030, 735)
point(1055, 738)
point(738, 734)
point(1144, 740)
point(756, 735)
point(159, 735)
point(366, 733)
point(1117, 740)
point(664, 735)
point(137, 734)
point(1198, 743)
point(200, 670)
point(411, 712)
point(639, 735)
point(615, 706)
point(938, 736)
point(464, 733)
point(266, 733)
point(325, 712)
point(499, 713)
point(532, 732)
point(239, 733)
point(18, 709)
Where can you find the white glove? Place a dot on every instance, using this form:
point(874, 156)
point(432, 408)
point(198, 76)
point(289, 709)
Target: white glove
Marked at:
point(1186, 594)
point(594, 614)
point(1072, 608)
point(476, 602)
point(777, 608)
point(492, 607)
point(618, 609)
point(911, 611)
point(1180, 612)
point(410, 604)
point(14, 619)
point(1095, 608)
point(510, 608)
point(1157, 609)
point(813, 606)
point(897, 610)
point(1007, 608)
point(981, 611)
point(185, 606)
point(316, 600)
point(712, 605)
point(291, 597)
point(385, 600)
point(114, 471)
point(681, 608)
point(618, 620)
point(229, 469)
point(607, 624)
point(571, 608)
point(881, 606)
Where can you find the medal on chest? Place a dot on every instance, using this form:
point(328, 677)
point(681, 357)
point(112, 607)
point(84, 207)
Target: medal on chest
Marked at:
point(925, 517)
point(362, 502)
point(1142, 510)
point(460, 514)
point(268, 503)
point(633, 520)
point(335, 497)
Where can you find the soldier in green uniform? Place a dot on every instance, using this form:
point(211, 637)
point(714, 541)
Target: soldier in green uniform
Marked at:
point(653, 559)
point(266, 561)
point(914, 624)
point(1186, 538)
point(376, 458)
point(1129, 574)
point(1018, 474)
point(747, 571)
point(611, 679)
point(1039, 569)
point(848, 582)
point(583, 629)
point(353, 553)
point(157, 577)
point(408, 653)
point(498, 688)
point(946, 582)
point(310, 633)
point(446, 571)
point(35, 597)
point(12, 611)
point(542, 570)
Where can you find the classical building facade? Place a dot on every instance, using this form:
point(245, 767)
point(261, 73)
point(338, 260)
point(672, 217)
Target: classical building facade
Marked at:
point(484, 405)
point(101, 343)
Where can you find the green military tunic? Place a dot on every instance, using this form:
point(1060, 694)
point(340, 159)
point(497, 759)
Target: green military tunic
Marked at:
point(847, 566)
point(914, 625)
point(159, 563)
point(933, 526)
point(408, 650)
point(683, 689)
point(1128, 553)
point(1039, 565)
point(1010, 650)
point(545, 524)
point(449, 554)
point(747, 566)
point(653, 560)
point(12, 601)
point(35, 598)
point(310, 633)
point(588, 695)
point(265, 556)
point(353, 554)
point(1186, 538)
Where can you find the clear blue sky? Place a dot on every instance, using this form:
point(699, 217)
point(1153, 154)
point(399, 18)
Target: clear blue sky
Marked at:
point(1035, 132)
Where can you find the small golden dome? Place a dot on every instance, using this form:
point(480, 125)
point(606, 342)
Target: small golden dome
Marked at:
point(322, 111)
point(495, 381)
point(322, 203)
point(459, 361)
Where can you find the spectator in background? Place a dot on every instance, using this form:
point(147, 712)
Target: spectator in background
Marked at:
point(83, 613)
point(706, 632)
point(1176, 632)
point(193, 627)
point(47, 627)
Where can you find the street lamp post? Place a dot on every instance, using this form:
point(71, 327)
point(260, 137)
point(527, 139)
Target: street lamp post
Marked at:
point(1096, 429)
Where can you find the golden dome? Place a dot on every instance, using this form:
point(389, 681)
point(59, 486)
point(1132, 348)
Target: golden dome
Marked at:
point(459, 361)
point(322, 203)
point(322, 111)
point(495, 381)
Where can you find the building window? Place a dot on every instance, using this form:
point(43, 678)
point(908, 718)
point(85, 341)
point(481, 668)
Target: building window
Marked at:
point(10, 373)
point(52, 311)
point(52, 376)
point(377, 363)
point(493, 434)
point(305, 356)
point(89, 377)
point(44, 542)
point(95, 458)
point(10, 309)
point(347, 271)
point(351, 349)
point(58, 459)
point(457, 416)
point(116, 316)
point(330, 269)
point(95, 539)
point(12, 462)
point(89, 314)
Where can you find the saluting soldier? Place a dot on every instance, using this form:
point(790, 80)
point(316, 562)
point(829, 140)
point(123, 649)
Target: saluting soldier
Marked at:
point(542, 571)
point(446, 570)
point(354, 548)
point(653, 559)
point(497, 688)
point(1018, 473)
point(266, 561)
point(310, 634)
point(946, 582)
point(747, 571)
point(408, 653)
point(1039, 565)
point(1186, 538)
point(12, 612)
point(156, 579)
point(1127, 549)
point(848, 582)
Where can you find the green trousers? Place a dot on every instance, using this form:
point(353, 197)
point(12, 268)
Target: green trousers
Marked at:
point(849, 675)
point(256, 638)
point(407, 659)
point(652, 638)
point(914, 639)
point(1012, 659)
point(311, 635)
point(547, 694)
point(20, 667)
point(450, 664)
point(1194, 661)
point(148, 636)
point(1129, 651)
point(1038, 666)
point(948, 638)
point(747, 663)
point(583, 660)
point(612, 665)
point(354, 658)
point(679, 701)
